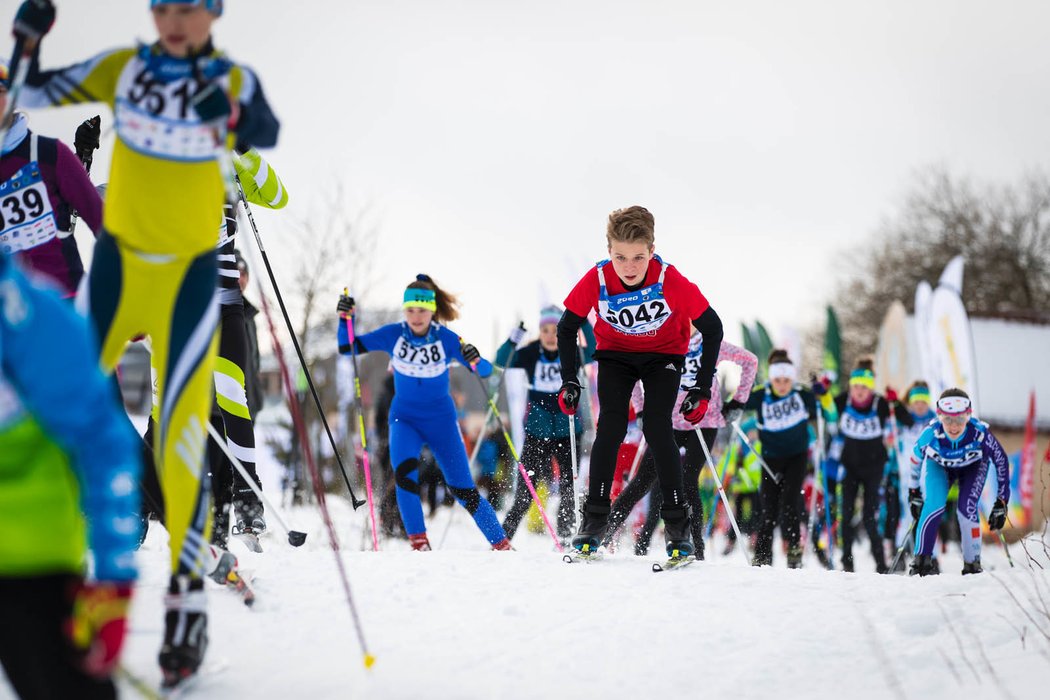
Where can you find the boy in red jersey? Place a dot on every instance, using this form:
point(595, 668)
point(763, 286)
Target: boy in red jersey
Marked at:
point(646, 312)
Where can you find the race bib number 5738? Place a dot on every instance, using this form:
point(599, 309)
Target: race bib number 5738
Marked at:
point(418, 360)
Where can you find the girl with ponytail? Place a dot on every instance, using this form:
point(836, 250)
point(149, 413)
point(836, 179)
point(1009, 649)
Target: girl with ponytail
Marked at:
point(422, 411)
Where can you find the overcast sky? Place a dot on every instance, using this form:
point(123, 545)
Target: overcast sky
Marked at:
point(490, 139)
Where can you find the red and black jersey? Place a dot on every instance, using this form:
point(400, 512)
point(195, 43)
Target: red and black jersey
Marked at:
point(653, 317)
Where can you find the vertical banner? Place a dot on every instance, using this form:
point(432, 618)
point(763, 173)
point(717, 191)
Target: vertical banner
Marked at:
point(951, 345)
point(923, 294)
point(833, 350)
point(791, 341)
point(1028, 462)
point(891, 355)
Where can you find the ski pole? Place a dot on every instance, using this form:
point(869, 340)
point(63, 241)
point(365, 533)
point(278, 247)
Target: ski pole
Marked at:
point(29, 44)
point(722, 494)
point(900, 550)
point(743, 436)
point(577, 487)
point(295, 537)
point(315, 477)
point(829, 497)
point(514, 456)
point(637, 461)
point(85, 153)
point(354, 500)
point(358, 404)
point(138, 684)
point(1006, 549)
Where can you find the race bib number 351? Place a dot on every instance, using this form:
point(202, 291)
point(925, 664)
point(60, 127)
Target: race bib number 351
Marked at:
point(418, 360)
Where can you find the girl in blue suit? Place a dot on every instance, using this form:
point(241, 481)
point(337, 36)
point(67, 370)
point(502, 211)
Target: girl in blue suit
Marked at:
point(422, 411)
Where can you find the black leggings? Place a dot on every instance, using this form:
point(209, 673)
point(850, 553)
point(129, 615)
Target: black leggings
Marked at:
point(617, 374)
point(536, 457)
point(645, 479)
point(868, 476)
point(782, 498)
point(34, 651)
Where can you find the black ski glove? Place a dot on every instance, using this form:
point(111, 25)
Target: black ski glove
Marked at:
point(212, 105)
point(915, 503)
point(569, 397)
point(470, 354)
point(85, 141)
point(997, 518)
point(345, 307)
point(731, 406)
point(33, 20)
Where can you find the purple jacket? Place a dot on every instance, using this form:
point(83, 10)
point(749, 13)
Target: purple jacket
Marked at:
point(68, 187)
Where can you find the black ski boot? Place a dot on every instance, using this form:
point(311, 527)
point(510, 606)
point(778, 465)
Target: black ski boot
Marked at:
point(921, 565)
point(185, 630)
point(847, 563)
point(972, 567)
point(592, 525)
point(795, 557)
point(762, 558)
point(822, 557)
point(220, 533)
point(676, 531)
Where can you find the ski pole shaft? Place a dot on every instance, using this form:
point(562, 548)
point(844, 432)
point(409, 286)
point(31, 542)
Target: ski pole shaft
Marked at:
point(722, 494)
point(1006, 549)
point(354, 500)
point(17, 83)
point(900, 550)
point(637, 461)
point(521, 469)
point(295, 537)
point(359, 405)
point(743, 436)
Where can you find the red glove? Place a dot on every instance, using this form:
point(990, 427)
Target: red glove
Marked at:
point(569, 397)
point(891, 395)
point(694, 405)
point(97, 625)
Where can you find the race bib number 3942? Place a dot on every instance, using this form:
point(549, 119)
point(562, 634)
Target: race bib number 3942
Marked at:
point(418, 360)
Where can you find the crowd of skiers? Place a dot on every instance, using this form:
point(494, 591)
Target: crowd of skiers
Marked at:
point(187, 120)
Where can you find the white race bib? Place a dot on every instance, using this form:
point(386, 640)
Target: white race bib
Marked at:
point(547, 377)
point(784, 413)
point(158, 119)
point(860, 428)
point(418, 360)
point(634, 313)
point(26, 217)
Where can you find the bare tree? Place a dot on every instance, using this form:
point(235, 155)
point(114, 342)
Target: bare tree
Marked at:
point(1003, 231)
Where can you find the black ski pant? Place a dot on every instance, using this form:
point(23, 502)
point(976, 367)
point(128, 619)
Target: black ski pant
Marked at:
point(866, 476)
point(36, 656)
point(617, 374)
point(780, 498)
point(536, 456)
point(893, 513)
point(645, 480)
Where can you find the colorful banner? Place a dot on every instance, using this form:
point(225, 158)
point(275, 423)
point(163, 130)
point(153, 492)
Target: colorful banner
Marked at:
point(891, 355)
point(1027, 464)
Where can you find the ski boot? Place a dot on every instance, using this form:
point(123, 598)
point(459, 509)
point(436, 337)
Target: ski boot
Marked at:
point(822, 557)
point(730, 546)
point(972, 567)
point(592, 526)
point(220, 527)
point(419, 542)
point(921, 565)
point(676, 531)
point(936, 568)
point(762, 557)
point(794, 557)
point(502, 546)
point(185, 630)
point(847, 563)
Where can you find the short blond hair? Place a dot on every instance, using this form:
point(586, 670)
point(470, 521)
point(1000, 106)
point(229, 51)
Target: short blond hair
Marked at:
point(631, 225)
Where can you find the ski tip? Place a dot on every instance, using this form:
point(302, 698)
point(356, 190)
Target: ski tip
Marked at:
point(657, 568)
point(567, 559)
point(369, 660)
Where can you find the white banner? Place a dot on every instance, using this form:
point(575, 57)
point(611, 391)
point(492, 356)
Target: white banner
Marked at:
point(951, 345)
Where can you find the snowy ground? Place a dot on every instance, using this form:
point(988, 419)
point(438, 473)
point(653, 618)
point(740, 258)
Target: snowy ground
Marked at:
point(464, 622)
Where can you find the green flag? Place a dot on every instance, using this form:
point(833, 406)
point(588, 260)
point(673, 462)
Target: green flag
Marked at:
point(765, 346)
point(749, 342)
point(833, 349)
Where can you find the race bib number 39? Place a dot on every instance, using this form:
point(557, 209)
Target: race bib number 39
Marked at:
point(418, 360)
point(26, 217)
